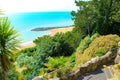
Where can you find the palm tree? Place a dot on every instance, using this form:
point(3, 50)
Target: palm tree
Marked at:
point(8, 43)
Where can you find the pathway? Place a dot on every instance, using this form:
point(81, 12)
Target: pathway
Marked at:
point(99, 74)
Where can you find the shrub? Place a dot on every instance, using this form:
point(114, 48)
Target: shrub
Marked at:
point(24, 60)
point(42, 71)
point(101, 52)
point(55, 63)
point(80, 57)
point(105, 43)
point(12, 74)
point(28, 51)
point(98, 47)
point(84, 44)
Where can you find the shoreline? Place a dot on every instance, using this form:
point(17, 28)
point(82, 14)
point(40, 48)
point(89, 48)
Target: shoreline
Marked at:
point(25, 45)
point(52, 32)
point(60, 30)
point(49, 28)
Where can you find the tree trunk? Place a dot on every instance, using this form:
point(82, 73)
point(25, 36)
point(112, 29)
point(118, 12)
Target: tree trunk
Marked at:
point(4, 71)
point(5, 75)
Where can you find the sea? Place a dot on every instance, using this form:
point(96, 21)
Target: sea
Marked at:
point(25, 22)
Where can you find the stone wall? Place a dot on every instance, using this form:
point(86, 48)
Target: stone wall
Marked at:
point(89, 66)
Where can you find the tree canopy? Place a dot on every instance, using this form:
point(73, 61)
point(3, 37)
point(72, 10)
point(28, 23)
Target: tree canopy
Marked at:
point(97, 16)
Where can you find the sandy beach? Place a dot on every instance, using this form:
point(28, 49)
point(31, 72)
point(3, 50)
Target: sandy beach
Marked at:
point(52, 32)
point(62, 30)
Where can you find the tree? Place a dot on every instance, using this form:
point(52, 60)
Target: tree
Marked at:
point(96, 16)
point(8, 43)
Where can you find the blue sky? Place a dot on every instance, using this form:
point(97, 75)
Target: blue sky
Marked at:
point(13, 6)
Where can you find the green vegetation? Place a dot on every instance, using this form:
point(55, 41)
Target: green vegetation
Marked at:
point(100, 16)
point(103, 42)
point(8, 43)
point(95, 23)
point(98, 47)
point(84, 44)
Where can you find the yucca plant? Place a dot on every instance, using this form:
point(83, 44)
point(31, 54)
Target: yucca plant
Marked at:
point(8, 43)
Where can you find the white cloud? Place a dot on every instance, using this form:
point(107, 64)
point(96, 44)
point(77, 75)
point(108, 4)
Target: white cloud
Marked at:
point(37, 5)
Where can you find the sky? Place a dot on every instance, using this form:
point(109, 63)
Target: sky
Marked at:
point(14, 6)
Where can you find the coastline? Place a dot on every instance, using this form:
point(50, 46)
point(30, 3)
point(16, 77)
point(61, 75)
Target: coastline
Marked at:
point(60, 30)
point(49, 28)
point(52, 32)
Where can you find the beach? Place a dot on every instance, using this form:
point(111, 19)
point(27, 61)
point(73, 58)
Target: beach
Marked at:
point(52, 33)
point(60, 30)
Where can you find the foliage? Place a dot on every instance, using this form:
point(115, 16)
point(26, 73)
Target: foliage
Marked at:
point(97, 47)
point(62, 44)
point(101, 52)
point(24, 60)
point(92, 17)
point(12, 74)
point(62, 72)
point(1, 74)
point(84, 43)
point(73, 39)
point(55, 63)
point(8, 43)
point(28, 51)
point(80, 57)
point(59, 66)
point(43, 71)
point(72, 58)
point(40, 39)
point(104, 42)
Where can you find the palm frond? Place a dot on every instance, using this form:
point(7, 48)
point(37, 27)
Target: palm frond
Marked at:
point(8, 42)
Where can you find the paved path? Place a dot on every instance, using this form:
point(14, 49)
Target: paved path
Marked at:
point(99, 74)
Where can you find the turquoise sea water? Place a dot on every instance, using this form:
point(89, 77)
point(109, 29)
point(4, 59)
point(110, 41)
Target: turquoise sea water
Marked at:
point(24, 22)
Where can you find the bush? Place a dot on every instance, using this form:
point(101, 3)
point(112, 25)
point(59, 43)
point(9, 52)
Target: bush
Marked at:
point(80, 57)
point(42, 71)
point(24, 60)
point(98, 47)
point(28, 51)
point(104, 43)
point(12, 74)
point(101, 52)
point(55, 63)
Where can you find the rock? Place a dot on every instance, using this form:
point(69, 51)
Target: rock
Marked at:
point(77, 74)
point(108, 53)
point(54, 78)
point(38, 78)
point(117, 59)
point(95, 60)
point(119, 44)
